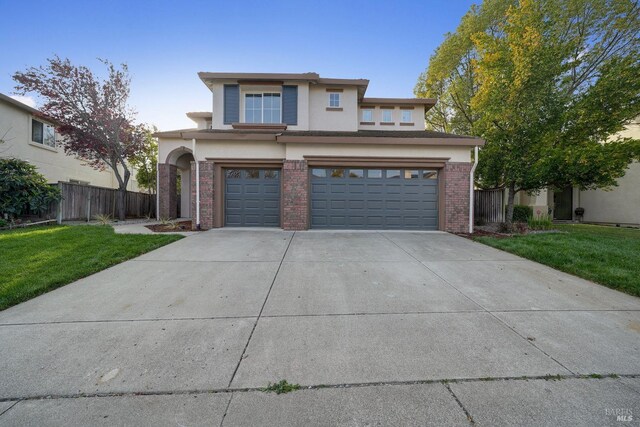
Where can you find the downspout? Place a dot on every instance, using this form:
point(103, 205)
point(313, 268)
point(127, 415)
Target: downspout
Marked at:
point(193, 152)
point(471, 195)
point(158, 191)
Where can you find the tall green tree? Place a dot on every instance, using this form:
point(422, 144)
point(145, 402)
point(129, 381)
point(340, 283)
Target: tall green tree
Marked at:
point(552, 81)
point(146, 160)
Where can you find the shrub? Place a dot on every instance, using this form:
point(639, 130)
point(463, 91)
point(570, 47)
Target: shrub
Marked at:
point(103, 219)
point(521, 213)
point(23, 189)
point(3, 222)
point(539, 222)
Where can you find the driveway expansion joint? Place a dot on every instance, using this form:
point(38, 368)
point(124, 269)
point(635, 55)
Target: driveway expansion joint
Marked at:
point(466, 412)
point(226, 409)
point(482, 307)
point(264, 303)
point(9, 408)
point(231, 390)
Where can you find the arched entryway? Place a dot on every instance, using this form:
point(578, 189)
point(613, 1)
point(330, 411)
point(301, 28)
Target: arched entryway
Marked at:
point(174, 184)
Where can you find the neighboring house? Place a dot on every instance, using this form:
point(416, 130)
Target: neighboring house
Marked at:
point(299, 151)
point(28, 136)
point(619, 205)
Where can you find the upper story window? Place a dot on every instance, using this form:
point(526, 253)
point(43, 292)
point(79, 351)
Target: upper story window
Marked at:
point(43, 133)
point(406, 116)
point(262, 108)
point(387, 116)
point(334, 99)
point(367, 115)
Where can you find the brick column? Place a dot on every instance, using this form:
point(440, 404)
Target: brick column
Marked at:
point(295, 195)
point(167, 191)
point(207, 199)
point(456, 197)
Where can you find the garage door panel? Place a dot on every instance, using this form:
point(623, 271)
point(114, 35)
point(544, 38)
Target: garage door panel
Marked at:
point(337, 220)
point(252, 198)
point(374, 199)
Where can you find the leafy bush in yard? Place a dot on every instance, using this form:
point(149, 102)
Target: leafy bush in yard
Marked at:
point(521, 213)
point(22, 188)
point(539, 222)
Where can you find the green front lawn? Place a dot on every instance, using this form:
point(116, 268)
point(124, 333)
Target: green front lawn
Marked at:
point(607, 255)
point(38, 259)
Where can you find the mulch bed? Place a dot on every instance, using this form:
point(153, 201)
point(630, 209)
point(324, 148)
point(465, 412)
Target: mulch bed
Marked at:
point(481, 233)
point(170, 228)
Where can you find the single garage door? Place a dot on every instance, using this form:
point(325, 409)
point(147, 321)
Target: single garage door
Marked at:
point(356, 198)
point(252, 198)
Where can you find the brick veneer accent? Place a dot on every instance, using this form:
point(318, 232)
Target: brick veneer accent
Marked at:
point(295, 195)
point(167, 192)
point(207, 197)
point(456, 197)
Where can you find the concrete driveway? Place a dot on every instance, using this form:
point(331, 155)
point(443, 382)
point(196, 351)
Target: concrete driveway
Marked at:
point(380, 328)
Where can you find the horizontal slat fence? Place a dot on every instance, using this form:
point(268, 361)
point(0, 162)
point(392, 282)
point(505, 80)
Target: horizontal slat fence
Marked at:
point(488, 205)
point(82, 202)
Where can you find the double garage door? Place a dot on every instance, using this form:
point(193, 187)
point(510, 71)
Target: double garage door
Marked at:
point(340, 198)
point(378, 199)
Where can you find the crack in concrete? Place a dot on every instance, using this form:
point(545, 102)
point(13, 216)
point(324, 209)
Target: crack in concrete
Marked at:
point(275, 276)
point(560, 377)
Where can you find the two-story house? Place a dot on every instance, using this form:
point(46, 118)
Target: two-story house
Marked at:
point(300, 151)
point(27, 135)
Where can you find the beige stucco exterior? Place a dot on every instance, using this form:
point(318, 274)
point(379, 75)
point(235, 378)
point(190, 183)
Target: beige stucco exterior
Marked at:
point(417, 119)
point(322, 131)
point(52, 162)
point(314, 112)
point(321, 117)
point(621, 205)
point(234, 149)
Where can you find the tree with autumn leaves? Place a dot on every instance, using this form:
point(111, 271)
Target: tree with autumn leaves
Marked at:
point(91, 114)
point(546, 83)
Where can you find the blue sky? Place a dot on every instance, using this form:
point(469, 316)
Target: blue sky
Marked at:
point(165, 43)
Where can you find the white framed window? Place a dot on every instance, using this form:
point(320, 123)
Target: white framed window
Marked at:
point(334, 99)
point(406, 116)
point(43, 133)
point(367, 115)
point(387, 116)
point(262, 108)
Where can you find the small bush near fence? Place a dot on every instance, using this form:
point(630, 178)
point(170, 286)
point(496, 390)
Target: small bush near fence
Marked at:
point(521, 213)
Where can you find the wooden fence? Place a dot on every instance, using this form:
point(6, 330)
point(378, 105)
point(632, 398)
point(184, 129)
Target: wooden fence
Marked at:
point(488, 205)
point(84, 202)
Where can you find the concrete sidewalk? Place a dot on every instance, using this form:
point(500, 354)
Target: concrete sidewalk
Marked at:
point(379, 328)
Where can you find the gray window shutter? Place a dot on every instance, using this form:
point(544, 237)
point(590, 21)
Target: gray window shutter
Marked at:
point(290, 105)
point(231, 104)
